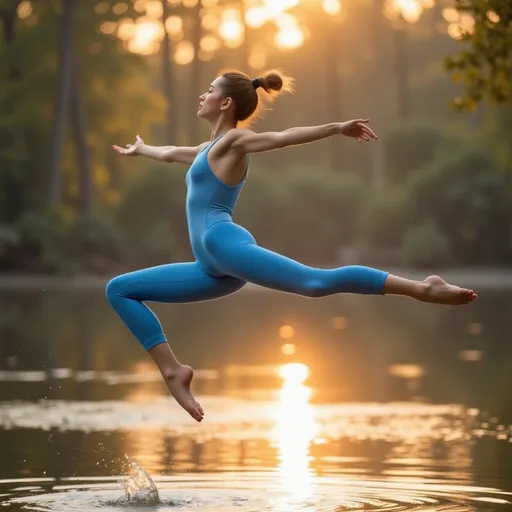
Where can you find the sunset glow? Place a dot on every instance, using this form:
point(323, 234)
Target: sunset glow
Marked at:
point(231, 21)
point(295, 430)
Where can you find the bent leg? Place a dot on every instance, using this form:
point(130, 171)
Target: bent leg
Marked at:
point(172, 283)
point(180, 282)
point(234, 251)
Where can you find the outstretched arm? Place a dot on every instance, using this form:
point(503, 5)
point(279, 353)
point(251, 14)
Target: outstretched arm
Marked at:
point(170, 154)
point(245, 141)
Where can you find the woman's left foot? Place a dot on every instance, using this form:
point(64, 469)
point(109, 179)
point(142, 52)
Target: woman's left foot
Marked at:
point(179, 386)
point(438, 291)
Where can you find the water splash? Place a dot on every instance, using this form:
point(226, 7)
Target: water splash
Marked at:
point(139, 488)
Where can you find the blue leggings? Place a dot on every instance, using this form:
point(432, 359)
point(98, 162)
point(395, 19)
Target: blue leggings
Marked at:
point(233, 252)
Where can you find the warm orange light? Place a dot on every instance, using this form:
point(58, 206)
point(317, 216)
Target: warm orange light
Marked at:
point(146, 37)
point(295, 430)
point(119, 8)
point(209, 44)
point(331, 6)
point(289, 38)
point(154, 9)
point(184, 53)
point(493, 17)
point(24, 10)
point(286, 331)
point(126, 29)
point(108, 27)
point(465, 24)
point(100, 8)
point(231, 28)
point(140, 6)
point(451, 15)
point(294, 373)
point(210, 22)
point(204, 55)
point(288, 349)
point(409, 10)
point(339, 323)
point(174, 25)
point(258, 57)
point(273, 8)
point(255, 17)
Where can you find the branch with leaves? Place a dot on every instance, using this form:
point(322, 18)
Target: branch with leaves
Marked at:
point(484, 67)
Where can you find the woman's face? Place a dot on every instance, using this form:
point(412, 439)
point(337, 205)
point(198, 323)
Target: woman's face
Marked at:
point(211, 103)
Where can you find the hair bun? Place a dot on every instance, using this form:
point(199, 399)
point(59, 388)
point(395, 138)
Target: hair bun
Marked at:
point(271, 82)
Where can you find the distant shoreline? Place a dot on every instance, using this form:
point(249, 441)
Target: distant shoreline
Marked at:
point(477, 278)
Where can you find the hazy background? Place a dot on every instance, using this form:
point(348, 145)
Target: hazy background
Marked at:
point(434, 190)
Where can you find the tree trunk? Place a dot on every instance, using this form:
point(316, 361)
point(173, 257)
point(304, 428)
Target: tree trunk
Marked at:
point(82, 148)
point(333, 88)
point(67, 19)
point(245, 49)
point(11, 199)
point(167, 83)
point(377, 20)
point(402, 73)
point(8, 18)
point(195, 77)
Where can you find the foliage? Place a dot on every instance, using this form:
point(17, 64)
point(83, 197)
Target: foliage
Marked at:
point(387, 218)
point(426, 246)
point(464, 194)
point(116, 90)
point(151, 214)
point(410, 146)
point(94, 243)
point(8, 238)
point(484, 67)
point(42, 241)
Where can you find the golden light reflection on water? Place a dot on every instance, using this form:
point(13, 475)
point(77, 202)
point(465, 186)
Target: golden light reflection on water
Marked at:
point(295, 430)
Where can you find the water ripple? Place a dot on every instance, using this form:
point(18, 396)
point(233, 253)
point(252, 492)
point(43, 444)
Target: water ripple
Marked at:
point(253, 493)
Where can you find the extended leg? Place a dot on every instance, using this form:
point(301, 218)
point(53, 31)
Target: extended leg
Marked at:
point(174, 283)
point(235, 252)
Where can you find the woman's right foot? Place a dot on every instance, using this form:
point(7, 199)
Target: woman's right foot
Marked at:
point(438, 291)
point(178, 383)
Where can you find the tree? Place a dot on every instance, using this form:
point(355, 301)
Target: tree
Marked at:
point(485, 65)
point(67, 29)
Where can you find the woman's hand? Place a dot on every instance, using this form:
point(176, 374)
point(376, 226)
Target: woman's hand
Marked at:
point(131, 149)
point(357, 129)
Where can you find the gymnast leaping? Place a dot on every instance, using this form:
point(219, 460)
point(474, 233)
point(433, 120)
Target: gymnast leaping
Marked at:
point(227, 256)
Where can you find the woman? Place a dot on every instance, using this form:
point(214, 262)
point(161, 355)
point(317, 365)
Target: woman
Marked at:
point(227, 256)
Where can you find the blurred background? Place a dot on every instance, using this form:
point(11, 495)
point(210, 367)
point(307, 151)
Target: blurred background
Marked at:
point(78, 77)
point(432, 195)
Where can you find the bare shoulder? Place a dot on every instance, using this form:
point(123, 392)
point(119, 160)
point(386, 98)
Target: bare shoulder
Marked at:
point(230, 141)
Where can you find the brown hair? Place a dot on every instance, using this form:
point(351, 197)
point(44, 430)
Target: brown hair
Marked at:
point(243, 90)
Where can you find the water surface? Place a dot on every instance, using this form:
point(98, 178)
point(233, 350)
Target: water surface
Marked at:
point(363, 404)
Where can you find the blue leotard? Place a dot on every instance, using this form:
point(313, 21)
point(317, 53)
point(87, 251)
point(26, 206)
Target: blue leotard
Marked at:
point(227, 257)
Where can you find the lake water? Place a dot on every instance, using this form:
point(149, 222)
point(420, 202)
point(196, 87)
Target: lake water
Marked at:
point(346, 403)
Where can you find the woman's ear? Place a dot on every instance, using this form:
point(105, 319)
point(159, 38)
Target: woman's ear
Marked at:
point(226, 103)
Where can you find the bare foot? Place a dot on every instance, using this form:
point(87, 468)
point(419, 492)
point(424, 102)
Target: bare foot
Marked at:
point(179, 386)
point(437, 290)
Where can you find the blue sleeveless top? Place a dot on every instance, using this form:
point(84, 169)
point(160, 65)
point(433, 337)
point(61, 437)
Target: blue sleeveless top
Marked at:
point(209, 201)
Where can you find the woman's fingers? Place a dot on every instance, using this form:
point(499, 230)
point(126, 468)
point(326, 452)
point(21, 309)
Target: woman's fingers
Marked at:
point(123, 151)
point(368, 131)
